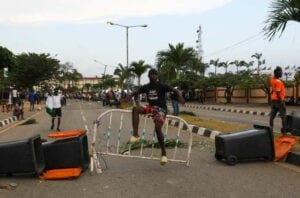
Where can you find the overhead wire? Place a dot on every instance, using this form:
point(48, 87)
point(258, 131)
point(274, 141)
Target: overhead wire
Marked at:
point(234, 45)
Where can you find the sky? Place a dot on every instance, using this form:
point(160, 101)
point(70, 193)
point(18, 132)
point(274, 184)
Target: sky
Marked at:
point(76, 31)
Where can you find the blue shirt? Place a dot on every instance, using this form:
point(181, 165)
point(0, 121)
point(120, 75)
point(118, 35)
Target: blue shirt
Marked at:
point(31, 96)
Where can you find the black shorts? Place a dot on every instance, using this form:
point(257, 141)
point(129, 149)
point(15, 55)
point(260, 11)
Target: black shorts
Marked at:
point(276, 107)
point(56, 112)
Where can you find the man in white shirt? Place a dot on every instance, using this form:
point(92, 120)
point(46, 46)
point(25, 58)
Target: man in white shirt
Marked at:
point(14, 96)
point(56, 98)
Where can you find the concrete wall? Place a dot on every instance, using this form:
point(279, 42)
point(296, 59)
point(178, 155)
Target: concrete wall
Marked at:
point(241, 95)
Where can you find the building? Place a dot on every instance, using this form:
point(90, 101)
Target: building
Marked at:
point(83, 81)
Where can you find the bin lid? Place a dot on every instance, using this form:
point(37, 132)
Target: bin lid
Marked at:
point(283, 145)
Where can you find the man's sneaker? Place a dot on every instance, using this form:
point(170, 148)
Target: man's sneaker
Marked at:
point(163, 160)
point(134, 139)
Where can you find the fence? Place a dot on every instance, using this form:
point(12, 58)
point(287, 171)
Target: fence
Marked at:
point(112, 130)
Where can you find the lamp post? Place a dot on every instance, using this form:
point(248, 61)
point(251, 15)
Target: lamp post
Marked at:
point(127, 28)
point(104, 66)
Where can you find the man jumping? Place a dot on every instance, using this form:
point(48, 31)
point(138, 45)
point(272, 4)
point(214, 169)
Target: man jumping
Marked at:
point(156, 95)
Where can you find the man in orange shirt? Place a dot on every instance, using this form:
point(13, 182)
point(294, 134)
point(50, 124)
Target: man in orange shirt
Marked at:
point(278, 99)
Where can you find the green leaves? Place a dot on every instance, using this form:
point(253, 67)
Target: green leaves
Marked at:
point(281, 12)
point(31, 69)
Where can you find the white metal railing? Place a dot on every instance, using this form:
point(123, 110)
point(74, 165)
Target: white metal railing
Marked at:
point(115, 134)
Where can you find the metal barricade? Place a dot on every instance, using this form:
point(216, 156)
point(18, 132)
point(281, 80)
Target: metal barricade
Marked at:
point(108, 137)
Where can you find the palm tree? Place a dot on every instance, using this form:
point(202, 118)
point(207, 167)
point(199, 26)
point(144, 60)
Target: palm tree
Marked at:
point(138, 69)
point(177, 58)
point(282, 11)
point(124, 73)
point(198, 66)
point(214, 63)
point(259, 62)
point(225, 65)
point(236, 63)
point(248, 65)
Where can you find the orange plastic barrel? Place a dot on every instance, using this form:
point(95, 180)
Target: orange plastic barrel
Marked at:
point(63, 134)
point(64, 173)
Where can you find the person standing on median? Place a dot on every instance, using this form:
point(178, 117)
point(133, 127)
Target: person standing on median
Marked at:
point(156, 95)
point(278, 99)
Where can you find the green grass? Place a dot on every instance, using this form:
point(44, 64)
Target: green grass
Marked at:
point(224, 127)
point(170, 143)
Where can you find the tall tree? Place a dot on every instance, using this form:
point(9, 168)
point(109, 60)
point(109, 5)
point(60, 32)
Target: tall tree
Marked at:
point(198, 66)
point(258, 56)
point(124, 73)
point(214, 63)
point(282, 11)
point(138, 69)
point(75, 76)
point(225, 65)
point(6, 58)
point(236, 63)
point(177, 58)
point(31, 69)
point(6, 61)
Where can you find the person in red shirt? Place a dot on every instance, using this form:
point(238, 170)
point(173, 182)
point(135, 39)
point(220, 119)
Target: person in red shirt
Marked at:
point(278, 99)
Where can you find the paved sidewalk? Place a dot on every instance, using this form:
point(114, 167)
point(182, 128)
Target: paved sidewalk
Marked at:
point(8, 118)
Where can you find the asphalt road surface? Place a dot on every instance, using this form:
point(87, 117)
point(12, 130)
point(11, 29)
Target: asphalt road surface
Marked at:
point(129, 177)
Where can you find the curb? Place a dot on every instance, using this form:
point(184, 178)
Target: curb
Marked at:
point(292, 157)
point(197, 130)
point(261, 113)
point(8, 121)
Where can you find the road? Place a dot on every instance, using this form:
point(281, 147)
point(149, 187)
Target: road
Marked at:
point(242, 119)
point(128, 177)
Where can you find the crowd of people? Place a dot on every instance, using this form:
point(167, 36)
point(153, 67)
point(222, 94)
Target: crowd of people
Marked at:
point(13, 100)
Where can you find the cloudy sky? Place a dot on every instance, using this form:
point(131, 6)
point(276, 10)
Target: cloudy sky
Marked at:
point(76, 31)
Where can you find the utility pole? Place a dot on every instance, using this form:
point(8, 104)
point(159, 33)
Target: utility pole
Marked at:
point(199, 42)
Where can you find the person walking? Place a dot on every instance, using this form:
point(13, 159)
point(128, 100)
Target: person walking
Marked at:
point(14, 96)
point(157, 107)
point(278, 99)
point(31, 98)
point(56, 111)
point(175, 105)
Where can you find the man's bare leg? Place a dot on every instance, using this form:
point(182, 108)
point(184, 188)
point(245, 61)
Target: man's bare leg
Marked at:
point(136, 111)
point(160, 137)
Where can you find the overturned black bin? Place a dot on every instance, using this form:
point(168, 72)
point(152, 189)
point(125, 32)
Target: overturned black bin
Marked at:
point(254, 144)
point(67, 153)
point(22, 156)
point(293, 123)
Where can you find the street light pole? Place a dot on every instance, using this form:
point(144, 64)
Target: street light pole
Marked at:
point(127, 28)
point(127, 54)
point(104, 66)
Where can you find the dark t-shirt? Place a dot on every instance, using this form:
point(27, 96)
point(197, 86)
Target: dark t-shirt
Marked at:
point(174, 96)
point(156, 93)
